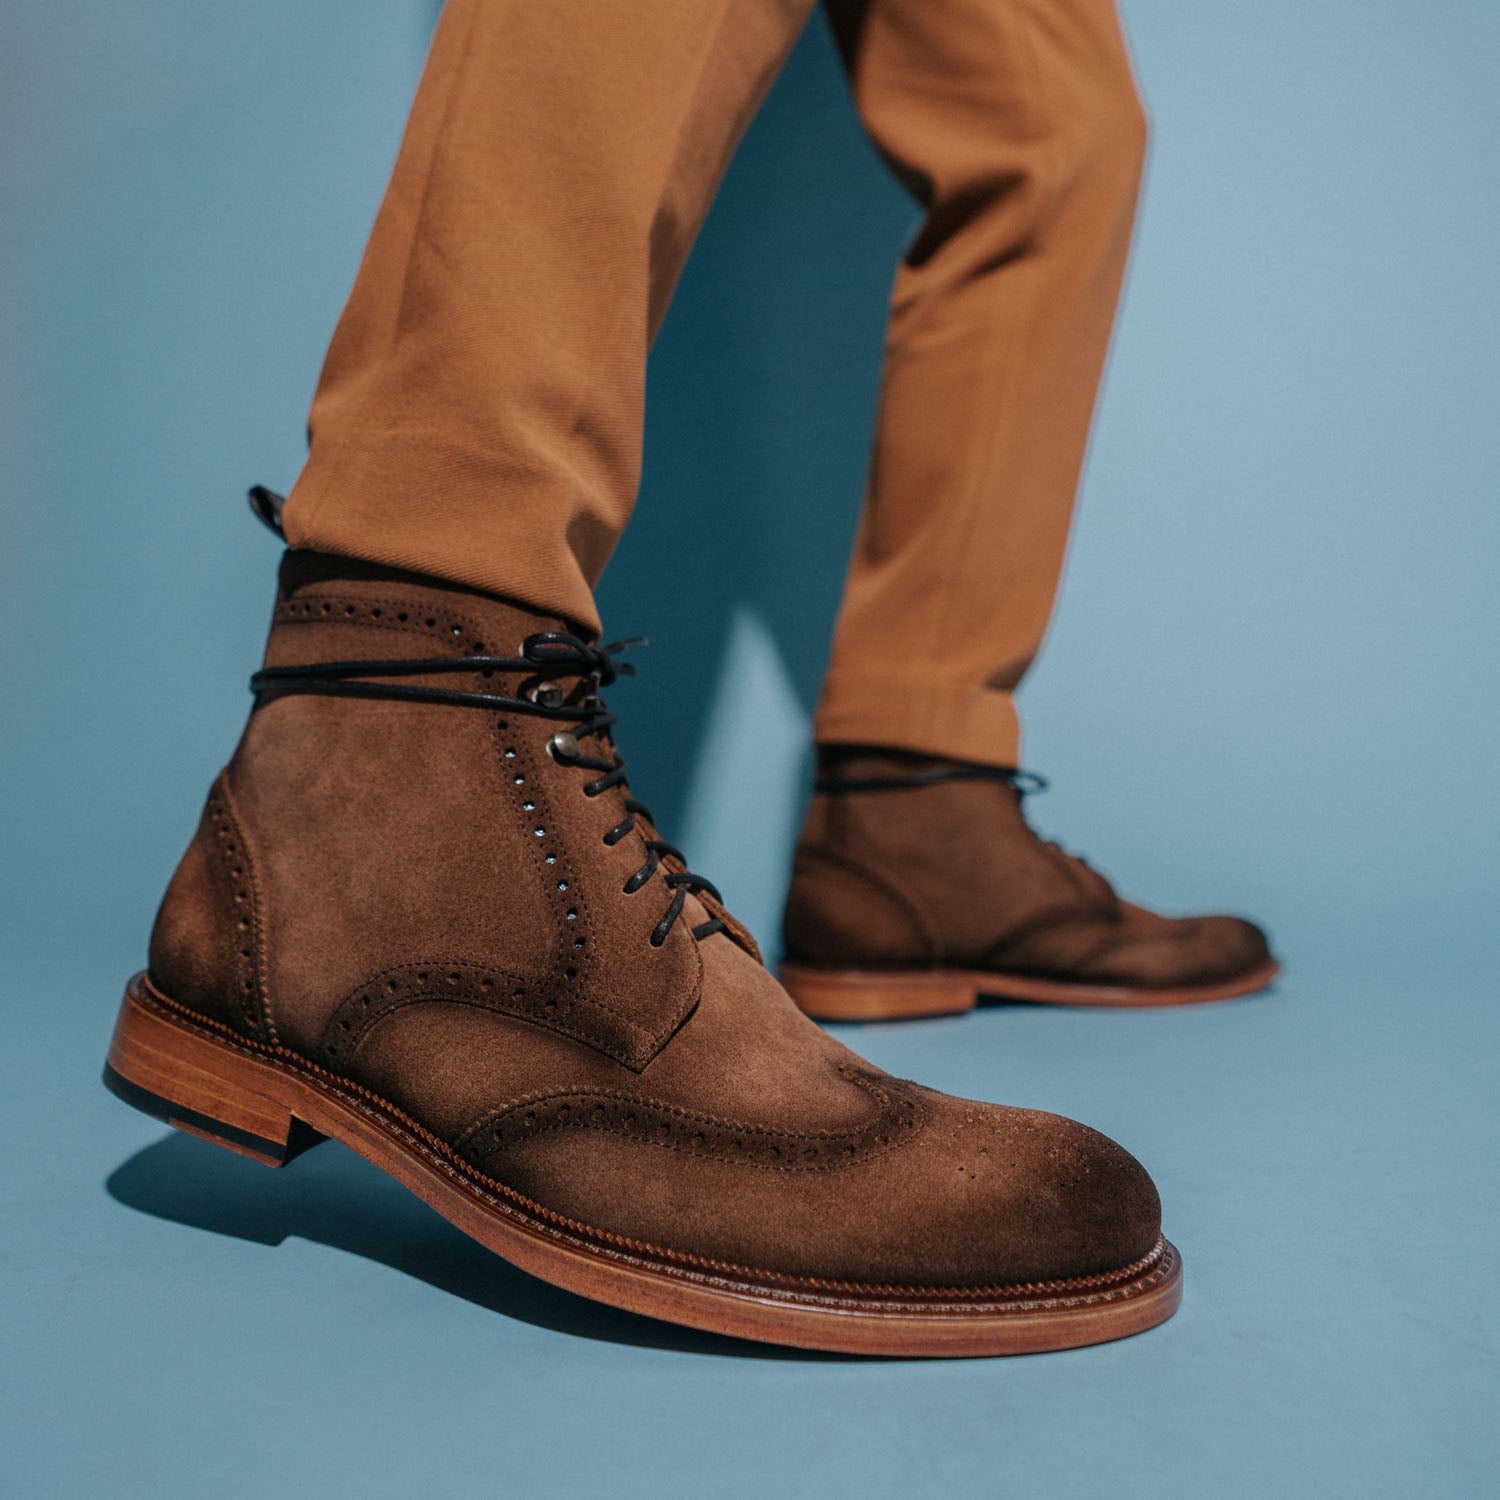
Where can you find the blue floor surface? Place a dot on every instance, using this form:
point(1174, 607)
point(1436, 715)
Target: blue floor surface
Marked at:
point(181, 1322)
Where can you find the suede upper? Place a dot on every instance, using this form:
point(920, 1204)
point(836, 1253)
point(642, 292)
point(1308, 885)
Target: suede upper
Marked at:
point(422, 899)
point(951, 876)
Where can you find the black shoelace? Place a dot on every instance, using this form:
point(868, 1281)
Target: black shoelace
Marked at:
point(545, 658)
point(1023, 783)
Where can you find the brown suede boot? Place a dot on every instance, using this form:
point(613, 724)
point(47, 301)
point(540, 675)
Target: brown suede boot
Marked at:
point(918, 887)
point(423, 915)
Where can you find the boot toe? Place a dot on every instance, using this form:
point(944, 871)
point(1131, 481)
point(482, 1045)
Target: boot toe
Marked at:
point(1023, 1197)
point(1157, 952)
point(1234, 946)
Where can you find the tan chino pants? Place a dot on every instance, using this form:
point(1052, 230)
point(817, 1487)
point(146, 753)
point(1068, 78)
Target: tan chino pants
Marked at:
point(479, 416)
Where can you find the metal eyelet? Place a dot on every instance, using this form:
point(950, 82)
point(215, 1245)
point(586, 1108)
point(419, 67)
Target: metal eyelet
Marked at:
point(564, 746)
point(547, 694)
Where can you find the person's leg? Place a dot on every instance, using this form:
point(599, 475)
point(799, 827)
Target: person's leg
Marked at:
point(479, 415)
point(423, 913)
point(1019, 129)
point(918, 884)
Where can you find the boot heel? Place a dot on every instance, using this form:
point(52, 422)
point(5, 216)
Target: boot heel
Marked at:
point(201, 1086)
point(855, 995)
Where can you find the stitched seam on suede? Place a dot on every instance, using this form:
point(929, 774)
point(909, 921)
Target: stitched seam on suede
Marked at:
point(694, 993)
point(1037, 926)
point(852, 1156)
point(737, 930)
point(574, 1021)
point(743, 1127)
point(881, 887)
point(415, 973)
point(287, 612)
point(578, 896)
point(579, 1033)
point(853, 1145)
point(254, 997)
point(694, 990)
point(442, 1157)
point(558, 901)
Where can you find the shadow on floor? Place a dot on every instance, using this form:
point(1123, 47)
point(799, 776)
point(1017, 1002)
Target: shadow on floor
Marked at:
point(332, 1197)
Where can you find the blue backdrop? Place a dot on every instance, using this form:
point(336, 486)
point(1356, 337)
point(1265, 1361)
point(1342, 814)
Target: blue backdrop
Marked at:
point(1271, 685)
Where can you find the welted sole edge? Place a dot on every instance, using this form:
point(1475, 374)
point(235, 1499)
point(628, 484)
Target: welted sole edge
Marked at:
point(270, 1105)
point(901, 994)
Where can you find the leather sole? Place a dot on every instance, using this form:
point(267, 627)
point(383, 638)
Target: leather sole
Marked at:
point(890, 995)
point(270, 1104)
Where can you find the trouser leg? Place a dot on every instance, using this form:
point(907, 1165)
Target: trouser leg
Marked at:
point(479, 414)
point(1018, 127)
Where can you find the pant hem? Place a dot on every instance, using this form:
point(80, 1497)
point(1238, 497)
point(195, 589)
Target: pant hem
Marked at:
point(952, 720)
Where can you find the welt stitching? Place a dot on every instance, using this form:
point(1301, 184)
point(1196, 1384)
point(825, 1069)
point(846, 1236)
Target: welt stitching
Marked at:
point(442, 1157)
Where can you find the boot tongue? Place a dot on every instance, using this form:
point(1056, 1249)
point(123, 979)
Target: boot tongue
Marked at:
point(393, 614)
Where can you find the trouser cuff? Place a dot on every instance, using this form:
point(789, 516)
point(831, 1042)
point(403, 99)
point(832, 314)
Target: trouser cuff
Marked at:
point(955, 720)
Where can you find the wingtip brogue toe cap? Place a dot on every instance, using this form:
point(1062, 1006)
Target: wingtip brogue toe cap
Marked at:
point(1032, 1197)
